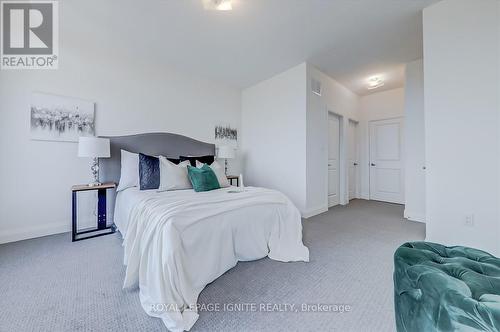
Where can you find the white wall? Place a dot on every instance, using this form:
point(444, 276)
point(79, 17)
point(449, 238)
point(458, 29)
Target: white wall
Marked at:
point(283, 103)
point(461, 52)
point(340, 100)
point(498, 118)
point(132, 95)
point(273, 135)
point(376, 106)
point(285, 134)
point(414, 142)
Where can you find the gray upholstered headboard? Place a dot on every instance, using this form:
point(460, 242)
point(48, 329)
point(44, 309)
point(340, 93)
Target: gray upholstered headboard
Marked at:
point(154, 144)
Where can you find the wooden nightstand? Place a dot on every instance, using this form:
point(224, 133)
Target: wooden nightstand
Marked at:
point(102, 228)
point(233, 177)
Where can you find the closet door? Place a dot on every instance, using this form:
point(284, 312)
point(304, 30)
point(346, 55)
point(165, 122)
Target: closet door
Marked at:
point(386, 161)
point(352, 159)
point(333, 160)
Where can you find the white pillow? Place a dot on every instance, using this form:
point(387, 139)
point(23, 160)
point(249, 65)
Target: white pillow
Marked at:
point(172, 176)
point(129, 174)
point(219, 173)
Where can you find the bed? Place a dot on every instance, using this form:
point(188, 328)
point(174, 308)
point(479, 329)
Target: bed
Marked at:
point(177, 242)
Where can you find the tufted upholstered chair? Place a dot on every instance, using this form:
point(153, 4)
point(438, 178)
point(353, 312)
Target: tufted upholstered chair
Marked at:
point(438, 288)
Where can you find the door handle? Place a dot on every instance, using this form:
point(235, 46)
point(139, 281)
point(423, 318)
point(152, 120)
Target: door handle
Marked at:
point(355, 164)
point(373, 164)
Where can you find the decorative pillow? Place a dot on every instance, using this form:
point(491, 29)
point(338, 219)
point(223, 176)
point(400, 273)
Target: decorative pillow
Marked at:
point(173, 160)
point(219, 173)
point(202, 159)
point(129, 174)
point(172, 176)
point(149, 172)
point(203, 179)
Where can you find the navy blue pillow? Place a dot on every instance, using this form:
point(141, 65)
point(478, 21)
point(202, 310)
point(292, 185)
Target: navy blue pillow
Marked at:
point(202, 159)
point(149, 171)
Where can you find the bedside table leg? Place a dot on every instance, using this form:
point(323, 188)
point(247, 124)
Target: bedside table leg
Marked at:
point(73, 218)
point(101, 209)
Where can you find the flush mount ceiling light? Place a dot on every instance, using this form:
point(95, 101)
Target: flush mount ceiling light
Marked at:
point(375, 82)
point(217, 5)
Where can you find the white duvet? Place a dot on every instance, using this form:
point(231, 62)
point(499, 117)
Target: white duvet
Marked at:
point(178, 242)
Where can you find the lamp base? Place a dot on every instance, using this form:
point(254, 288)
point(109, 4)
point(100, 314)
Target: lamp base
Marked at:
point(95, 173)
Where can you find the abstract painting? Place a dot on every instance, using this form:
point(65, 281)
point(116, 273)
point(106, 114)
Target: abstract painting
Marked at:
point(226, 133)
point(56, 118)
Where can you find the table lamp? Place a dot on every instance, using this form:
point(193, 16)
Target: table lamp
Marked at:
point(226, 152)
point(94, 147)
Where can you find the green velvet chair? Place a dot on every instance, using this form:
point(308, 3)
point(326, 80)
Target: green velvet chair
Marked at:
point(438, 288)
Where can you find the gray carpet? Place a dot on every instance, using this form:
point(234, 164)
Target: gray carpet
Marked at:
point(51, 284)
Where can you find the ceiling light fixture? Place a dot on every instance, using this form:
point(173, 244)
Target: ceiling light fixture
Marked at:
point(375, 82)
point(223, 5)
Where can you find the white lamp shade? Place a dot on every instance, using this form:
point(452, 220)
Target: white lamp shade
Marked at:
point(226, 152)
point(93, 147)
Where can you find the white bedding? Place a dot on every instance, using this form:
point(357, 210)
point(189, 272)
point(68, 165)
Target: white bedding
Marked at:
point(177, 242)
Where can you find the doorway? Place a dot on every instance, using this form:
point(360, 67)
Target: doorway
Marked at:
point(333, 160)
point(386, 161)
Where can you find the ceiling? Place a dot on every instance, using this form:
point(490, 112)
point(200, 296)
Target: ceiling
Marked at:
point(348, 39)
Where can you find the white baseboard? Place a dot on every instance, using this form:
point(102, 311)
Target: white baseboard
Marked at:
point(32, 232)
point(364, 196)
point(419, 217)
point(313, 212)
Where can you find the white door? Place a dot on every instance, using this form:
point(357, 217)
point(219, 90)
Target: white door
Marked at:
point(386, 161)
point(352, 159)
point(333, 160)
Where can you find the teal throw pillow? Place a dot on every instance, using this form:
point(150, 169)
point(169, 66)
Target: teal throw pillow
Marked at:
point(203, 179)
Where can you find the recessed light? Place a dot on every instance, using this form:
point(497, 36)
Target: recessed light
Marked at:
point(375, 82)
point(222, 5)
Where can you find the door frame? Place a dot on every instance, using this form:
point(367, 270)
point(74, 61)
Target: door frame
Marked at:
point(370, 143)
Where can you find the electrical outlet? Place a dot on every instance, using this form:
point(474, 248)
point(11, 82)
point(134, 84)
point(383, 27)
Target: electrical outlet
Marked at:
point(469, 220)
